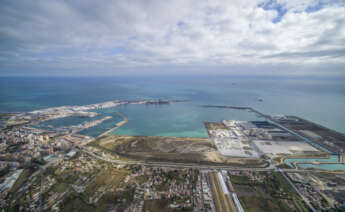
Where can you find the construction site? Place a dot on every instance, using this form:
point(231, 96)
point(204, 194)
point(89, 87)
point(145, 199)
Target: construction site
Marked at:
point(255, 139)
point(326, 138)
point(169, 149)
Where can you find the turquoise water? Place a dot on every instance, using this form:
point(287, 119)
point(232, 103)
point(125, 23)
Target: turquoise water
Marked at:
point(183, 119)
point(318, 99)
point(331, 159)
point(329, 167)
point(307, 163)
point(68, 121)
point(101, 128)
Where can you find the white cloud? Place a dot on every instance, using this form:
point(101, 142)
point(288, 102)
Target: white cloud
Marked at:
point(111, 34)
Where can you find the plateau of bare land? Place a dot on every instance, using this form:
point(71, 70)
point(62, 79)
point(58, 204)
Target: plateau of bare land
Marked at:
point(170, 149)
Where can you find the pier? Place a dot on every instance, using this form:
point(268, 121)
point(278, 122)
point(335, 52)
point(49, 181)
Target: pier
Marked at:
point(89, 124)
point(239, 108)
point(118, 125)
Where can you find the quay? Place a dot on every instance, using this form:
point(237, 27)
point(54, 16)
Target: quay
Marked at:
point(238, 108)
point(118, 125)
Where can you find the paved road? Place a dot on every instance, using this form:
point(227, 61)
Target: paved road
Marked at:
point(41, 189)
point(212, 167)
point(198, 166)
point(202, 192)
point(170, 164)
point(299, 193)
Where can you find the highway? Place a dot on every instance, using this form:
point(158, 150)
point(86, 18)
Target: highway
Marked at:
point(171, 164)
point(213, 167)
point(179, 165)
point(196, 166)
point(222, 206)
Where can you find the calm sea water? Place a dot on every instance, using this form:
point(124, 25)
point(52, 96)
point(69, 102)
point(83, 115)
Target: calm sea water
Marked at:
point(331, 159)
point(319, 100)
point(308, 163)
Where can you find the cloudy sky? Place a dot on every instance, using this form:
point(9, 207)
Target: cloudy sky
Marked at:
point(168, 37)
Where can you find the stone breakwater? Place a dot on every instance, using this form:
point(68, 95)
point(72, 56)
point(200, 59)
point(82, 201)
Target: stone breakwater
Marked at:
point(67, 111)
point(78, 128)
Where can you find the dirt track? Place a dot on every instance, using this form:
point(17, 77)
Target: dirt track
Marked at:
point(157, 148)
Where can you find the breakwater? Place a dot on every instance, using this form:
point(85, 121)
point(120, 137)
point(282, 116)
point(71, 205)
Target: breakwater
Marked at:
point(118, 125)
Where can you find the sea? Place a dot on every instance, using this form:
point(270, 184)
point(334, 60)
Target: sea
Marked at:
point(318, 99)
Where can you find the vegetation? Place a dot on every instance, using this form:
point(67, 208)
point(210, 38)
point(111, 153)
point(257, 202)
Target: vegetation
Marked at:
point(158, 206)
point(169, 149)
point(109, 178)
point(59, 187)
point(4, 171)
point(22, 178)
point(39, 161)
point(273, 194)
point(142, 179)
point(242, 180)
point(283, 166)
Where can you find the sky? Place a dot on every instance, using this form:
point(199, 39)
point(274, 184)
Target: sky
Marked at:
point(141, 37)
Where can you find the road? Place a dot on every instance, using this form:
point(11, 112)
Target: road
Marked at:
point(171, 164)
point(296, 189)
point(212, 167)
point(41, 189)
point(196, 166)
point(41, 171)
point(317, 146)
point(270, 119)
point(202, 192)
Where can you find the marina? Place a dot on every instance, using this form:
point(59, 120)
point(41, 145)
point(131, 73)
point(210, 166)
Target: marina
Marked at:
point(134, 122)
point(172, 106)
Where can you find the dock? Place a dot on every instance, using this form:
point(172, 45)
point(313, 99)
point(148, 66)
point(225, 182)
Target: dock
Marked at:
point(238, 108)
point(118, 125)
point(90, 124)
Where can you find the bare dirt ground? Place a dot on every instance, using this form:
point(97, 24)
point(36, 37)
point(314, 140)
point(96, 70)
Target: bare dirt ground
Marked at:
point(170, 149)
point(332, 140)
point(214, 126)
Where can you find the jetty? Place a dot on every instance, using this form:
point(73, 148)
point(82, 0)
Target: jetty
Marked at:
point(118, 125)
point(89, 124)
point(239, 108)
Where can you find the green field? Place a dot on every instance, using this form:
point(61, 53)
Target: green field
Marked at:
point(273, 194)
point(159, 206)
point(110, 178)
